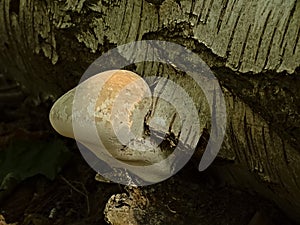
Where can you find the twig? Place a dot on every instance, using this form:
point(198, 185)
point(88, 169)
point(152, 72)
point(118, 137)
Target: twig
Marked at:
point(80, 192)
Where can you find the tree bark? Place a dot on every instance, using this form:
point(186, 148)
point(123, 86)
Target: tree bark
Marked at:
point(253, 48)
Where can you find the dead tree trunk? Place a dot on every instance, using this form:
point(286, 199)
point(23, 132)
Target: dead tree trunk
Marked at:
point(253, 48)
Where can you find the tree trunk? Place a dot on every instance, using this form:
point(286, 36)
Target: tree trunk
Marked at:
point(252, 47)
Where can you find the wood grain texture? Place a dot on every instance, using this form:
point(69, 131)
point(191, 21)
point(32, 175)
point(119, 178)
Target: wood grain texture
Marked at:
point(252, 35)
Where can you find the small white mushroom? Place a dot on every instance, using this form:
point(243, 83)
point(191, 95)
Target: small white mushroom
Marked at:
point(108, 114)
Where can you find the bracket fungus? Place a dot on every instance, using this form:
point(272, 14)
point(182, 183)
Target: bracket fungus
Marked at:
point(114, 114)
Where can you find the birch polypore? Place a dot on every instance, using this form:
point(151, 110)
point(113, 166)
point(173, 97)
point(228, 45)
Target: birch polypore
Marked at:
point(112, 114)
point(113, 102)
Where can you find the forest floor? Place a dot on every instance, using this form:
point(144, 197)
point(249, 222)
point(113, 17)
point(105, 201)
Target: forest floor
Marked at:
point(75, 197)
